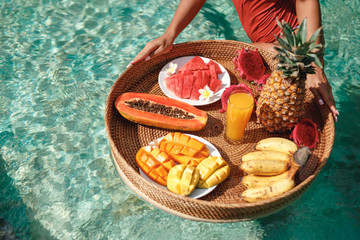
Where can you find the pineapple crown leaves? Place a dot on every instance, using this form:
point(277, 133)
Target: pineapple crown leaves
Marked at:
point(295, 54)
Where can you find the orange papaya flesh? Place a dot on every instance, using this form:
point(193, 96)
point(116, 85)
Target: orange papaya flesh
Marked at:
point(158, 111)
point(184, 150)
point(155, 163)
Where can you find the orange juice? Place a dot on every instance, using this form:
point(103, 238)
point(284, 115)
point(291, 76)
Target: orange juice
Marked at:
point(238, 113)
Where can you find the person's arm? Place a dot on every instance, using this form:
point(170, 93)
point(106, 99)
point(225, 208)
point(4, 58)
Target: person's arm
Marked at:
point(317, 83)
point(184, 14)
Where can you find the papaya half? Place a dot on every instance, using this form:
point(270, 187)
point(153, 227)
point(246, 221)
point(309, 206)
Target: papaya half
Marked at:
point(158, 111)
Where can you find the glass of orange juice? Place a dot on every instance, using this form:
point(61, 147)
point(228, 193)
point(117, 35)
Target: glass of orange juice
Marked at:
point(239, 109)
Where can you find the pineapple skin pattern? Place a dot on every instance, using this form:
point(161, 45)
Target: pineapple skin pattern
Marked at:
point(280, 104)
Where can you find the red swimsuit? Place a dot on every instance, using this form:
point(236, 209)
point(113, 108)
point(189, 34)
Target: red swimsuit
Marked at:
point(258, 17)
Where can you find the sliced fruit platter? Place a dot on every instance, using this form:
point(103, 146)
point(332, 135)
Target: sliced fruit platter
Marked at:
point(263, 174)
point(183, 77)
point(183, 163)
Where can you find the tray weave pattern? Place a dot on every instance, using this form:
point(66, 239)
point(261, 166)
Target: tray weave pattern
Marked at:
point(224, 203)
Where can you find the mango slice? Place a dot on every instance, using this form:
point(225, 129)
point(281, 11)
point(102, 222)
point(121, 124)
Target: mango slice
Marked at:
point(155, 163)
point(213, 170)
point(182, 179)
point(184, 149)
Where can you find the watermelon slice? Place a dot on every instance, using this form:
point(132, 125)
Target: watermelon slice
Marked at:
point(213, 72)
point(170, 83)
point(196, 63)
point(203, 77)
point(192, 77)
point(179, 81)
point(196, 86)
point(217, 67)
point(187, 86)
point(215, 84)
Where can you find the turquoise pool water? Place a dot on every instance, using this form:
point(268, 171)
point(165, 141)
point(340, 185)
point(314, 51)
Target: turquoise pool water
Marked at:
point(58, 61)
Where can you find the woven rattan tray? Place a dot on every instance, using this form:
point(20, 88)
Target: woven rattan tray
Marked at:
point(223, 204)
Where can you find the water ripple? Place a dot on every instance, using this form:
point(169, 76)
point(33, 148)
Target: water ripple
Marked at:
point(58, 61)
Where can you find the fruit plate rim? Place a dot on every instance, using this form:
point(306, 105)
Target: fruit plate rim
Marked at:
point(198, 192)
point(181, 61)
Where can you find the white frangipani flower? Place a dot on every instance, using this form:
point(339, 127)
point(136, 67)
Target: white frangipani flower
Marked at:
point(172, 68)
point(206, 94)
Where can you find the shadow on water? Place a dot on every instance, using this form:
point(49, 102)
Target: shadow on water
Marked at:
point(15, 218)
point(340, 177)
point(219, 19)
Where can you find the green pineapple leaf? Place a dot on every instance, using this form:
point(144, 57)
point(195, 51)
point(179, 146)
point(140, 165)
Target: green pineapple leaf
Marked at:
point(315, 35)
point(286, 32)
point(302, 33)
point(283, 42)
point(317, 47)
point(290, 35)
point(316, 59)
point(296, 55)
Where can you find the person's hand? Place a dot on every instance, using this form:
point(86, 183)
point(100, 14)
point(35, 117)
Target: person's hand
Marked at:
point(157, 46)
point(184, 14)
point(320, 87)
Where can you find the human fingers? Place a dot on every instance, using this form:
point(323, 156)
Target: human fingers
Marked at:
point(153, 48)
point(317, 96)
point(322, 95)
point(145, 53)
point(326, 93)
point(320, 87)
point(162, 49)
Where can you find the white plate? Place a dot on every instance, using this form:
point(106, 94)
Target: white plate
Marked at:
point(224, 77)
point(198, 192)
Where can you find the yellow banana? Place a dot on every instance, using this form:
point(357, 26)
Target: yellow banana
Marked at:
point(266, 155)
point(265, 167)
point(263, 188)
point(252, 181)
point(277, 144)
point(271, 190)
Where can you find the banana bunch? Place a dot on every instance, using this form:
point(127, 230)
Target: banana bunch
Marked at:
point(265, 163)
point(277, 144)
point(271, 169)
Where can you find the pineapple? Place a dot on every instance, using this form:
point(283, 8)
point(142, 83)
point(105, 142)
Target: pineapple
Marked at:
point(280, 103)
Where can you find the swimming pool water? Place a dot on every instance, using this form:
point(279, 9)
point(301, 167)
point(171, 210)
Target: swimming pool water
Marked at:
point(58, 61)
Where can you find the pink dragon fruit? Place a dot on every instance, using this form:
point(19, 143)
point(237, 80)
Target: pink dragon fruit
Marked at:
point(229, 90)
point(305, 133)
point(250, 65)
